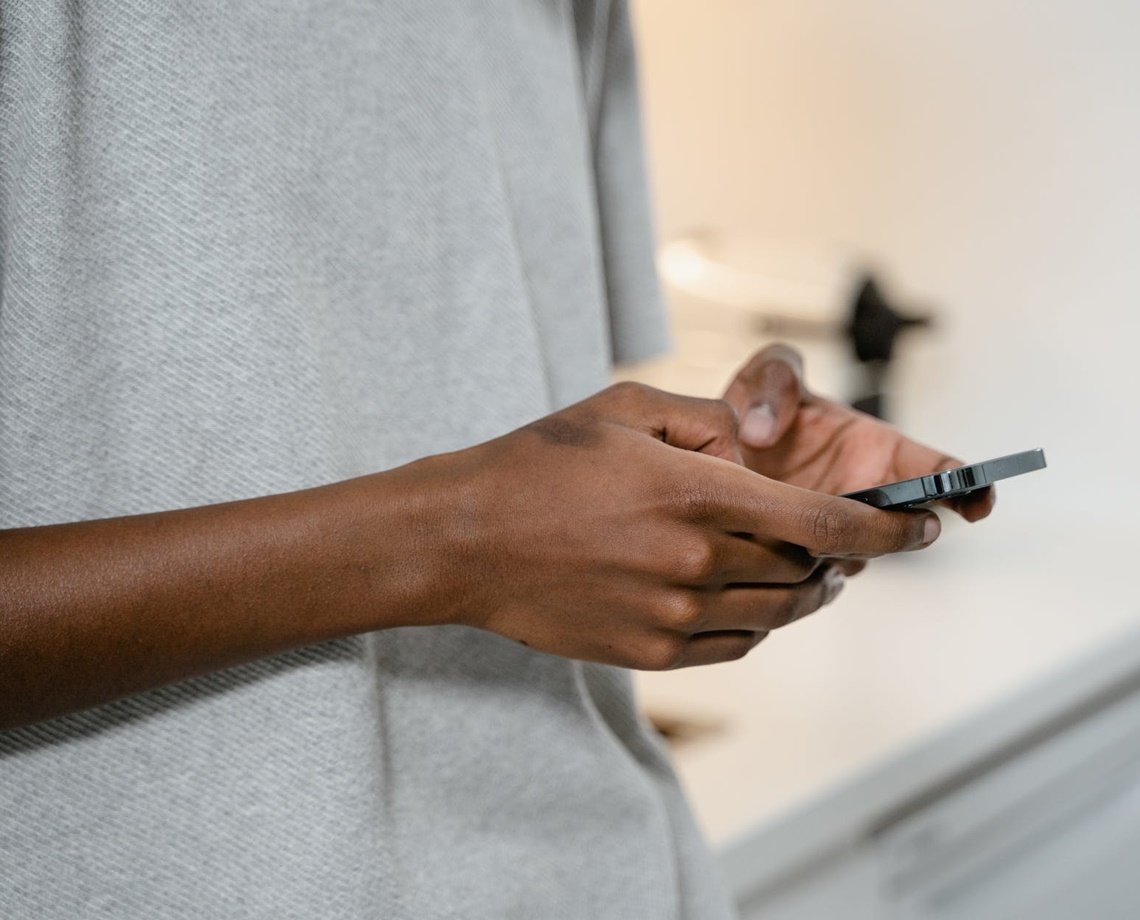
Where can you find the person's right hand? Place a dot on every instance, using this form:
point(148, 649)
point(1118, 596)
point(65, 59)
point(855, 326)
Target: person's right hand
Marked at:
point(623, 530)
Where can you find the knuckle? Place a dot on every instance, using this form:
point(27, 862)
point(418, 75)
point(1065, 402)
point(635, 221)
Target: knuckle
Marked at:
point(662, 652)
point(830, 529)
point(696, 563)
point(682, 612)
point(727, 419)
point(629, 392)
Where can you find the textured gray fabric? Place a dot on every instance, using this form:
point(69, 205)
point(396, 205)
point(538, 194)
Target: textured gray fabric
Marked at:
point(256, 245)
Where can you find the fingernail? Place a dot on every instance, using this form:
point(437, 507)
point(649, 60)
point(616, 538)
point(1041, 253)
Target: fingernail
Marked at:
point(833, 582)
point(758, 425)
point(931, 528)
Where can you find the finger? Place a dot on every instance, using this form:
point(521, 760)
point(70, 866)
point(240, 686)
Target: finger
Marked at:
point(824, 525)
point(849, 567)
point(914, 459)
point(766, 394)
point(708, 426)
point(975, 505)
point(745, 558)
point(717, 647)
point(768, 607)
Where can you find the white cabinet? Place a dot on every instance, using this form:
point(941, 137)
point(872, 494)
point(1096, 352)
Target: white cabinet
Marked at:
point(1047, 826)
point(1052, 833)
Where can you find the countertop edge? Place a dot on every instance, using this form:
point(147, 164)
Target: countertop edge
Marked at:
point(836, 818)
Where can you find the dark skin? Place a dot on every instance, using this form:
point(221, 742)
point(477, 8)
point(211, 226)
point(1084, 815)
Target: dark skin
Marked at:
point(623, 529)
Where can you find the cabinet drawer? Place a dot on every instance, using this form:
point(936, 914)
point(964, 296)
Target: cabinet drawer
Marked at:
point(1051, 832)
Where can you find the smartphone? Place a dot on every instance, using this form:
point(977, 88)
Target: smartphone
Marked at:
point(950, 483)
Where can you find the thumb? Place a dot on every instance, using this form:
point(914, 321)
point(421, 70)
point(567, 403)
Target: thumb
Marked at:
point(766, 393)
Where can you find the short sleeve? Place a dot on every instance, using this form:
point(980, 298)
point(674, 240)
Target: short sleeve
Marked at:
point(638, 326)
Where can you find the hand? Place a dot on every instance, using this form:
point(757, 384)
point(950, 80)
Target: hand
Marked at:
point(796, 437)
point(624, 530)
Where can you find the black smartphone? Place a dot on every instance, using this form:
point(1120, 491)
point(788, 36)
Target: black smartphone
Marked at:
point(950, 483)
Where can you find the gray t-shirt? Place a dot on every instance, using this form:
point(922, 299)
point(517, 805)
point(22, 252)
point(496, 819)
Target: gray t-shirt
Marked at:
point(249, 246)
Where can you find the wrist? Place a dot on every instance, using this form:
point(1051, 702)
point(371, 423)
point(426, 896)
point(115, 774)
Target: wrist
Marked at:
point(398, 543)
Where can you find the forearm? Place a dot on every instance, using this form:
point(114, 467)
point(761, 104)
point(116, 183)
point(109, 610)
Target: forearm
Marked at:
point(598, 532)
point(97, 610)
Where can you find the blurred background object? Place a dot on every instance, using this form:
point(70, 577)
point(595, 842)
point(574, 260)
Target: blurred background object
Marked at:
point(977, 157)
point(960, 735)
point(738, 286)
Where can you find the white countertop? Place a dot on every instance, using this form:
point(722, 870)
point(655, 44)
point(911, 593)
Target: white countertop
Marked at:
point(924, 664)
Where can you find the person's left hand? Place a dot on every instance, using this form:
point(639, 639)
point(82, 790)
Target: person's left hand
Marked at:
point(789, 434)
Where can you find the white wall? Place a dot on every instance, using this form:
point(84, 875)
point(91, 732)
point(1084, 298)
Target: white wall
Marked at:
point(987, 154)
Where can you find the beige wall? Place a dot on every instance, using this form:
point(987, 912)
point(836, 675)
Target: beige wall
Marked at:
point(986, 153)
